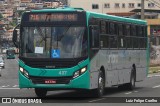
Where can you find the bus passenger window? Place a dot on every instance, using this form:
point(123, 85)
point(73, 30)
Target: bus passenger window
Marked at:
point(120, 30)
point(105, 39)
point(112, 29)
point(129, 41)
point(94, 37)
point(134, 36)
point(140, 36)
point(103, 27)
point(113, 41)
point(121, 36)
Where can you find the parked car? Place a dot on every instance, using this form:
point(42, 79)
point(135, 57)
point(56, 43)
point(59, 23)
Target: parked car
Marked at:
point(2, 64)
point(2, 56)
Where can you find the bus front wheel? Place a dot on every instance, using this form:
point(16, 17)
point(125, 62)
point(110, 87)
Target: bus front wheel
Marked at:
point(40, 92)
point(101, 85)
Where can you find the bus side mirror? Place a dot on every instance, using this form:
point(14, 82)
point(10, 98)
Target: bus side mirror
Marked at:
point(14, 39)
point(15, 36)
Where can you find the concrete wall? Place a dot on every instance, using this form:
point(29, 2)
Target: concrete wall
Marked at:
point(87, 5)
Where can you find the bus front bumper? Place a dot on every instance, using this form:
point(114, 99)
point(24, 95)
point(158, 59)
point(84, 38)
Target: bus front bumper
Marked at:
point(10, 57)
point(80, 82)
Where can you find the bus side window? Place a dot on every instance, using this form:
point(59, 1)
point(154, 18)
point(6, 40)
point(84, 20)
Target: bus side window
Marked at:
point(94, 32)
point(145, 36)
point(134, 36)
point(103, 27)
point(113, 35)
point(121, 37)
point(129, 41)
point(140, 35)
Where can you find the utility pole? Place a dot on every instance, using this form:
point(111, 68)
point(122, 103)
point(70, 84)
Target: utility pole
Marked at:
point(142, 9)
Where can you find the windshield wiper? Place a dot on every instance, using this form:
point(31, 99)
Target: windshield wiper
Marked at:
point(61, 36)
point(40, 32)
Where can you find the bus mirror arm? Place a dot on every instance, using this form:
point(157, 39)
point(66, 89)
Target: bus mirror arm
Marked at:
point(14, 38)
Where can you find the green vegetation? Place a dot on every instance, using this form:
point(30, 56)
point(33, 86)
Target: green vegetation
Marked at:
point(13, 23)
point(20, 13)
point(154, 69)
point(1, 16)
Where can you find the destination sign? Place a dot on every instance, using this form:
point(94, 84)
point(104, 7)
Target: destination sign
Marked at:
point(49, 17)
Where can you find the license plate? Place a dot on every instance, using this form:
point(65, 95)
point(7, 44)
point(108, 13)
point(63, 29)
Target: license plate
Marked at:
point(50, 81)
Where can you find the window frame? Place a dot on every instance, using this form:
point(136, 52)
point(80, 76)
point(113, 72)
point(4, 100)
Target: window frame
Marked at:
point(95, 6)
point(106, 5)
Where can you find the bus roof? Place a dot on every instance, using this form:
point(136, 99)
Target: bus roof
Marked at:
point(94, 14)
point(116, 18)
point(58, 9)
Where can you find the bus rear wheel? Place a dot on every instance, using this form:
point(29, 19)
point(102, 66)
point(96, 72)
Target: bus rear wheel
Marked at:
point(40, 92)
point(131, 85)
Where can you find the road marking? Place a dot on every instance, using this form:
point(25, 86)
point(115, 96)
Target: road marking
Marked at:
point(157, 75)
point(15, 86)
point(9, 88)
point(135, 91)
point(128, 93)
point(16, 60)
point(96, 100)
point(149, 76)
point(158, 86)
point(4, 86)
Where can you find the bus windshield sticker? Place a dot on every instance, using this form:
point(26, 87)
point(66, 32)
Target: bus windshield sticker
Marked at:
point(39, 50)
point(55, 53)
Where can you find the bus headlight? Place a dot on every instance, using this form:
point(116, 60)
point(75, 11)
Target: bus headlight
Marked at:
point(80, 72)
point(24, 72)
point(21, 69)
point(83, 70)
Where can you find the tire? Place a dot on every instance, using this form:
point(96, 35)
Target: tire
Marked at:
point(131, 85)
point(40, 92)
point(101, 85)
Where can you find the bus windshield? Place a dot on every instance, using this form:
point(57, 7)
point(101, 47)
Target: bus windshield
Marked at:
point(43, 42)
point(10, 52)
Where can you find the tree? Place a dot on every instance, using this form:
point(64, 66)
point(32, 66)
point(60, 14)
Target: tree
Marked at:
point(1, 16)
point(20, 13)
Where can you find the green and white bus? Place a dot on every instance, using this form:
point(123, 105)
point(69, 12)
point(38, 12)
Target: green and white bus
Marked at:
point(69, 48)
point(10, 54)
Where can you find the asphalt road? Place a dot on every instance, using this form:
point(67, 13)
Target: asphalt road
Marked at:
point(150, 87)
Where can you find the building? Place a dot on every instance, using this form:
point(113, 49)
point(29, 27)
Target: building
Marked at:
point(2, 2)
point(8, 35)
point(113, 6)
point(52, 4)
point(7, 12)
point(25, 1)
point(2, 31)
point(125, 8)
point(31, 5)
point(17, 3)
point(2, 28)
point(38, 5)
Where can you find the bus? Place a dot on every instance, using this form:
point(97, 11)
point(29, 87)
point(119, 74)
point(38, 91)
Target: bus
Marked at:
point(70, 48)
point(10, 54)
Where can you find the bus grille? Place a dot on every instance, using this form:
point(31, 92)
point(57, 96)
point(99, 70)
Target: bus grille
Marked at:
point(59, 80)
point(51, 63)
